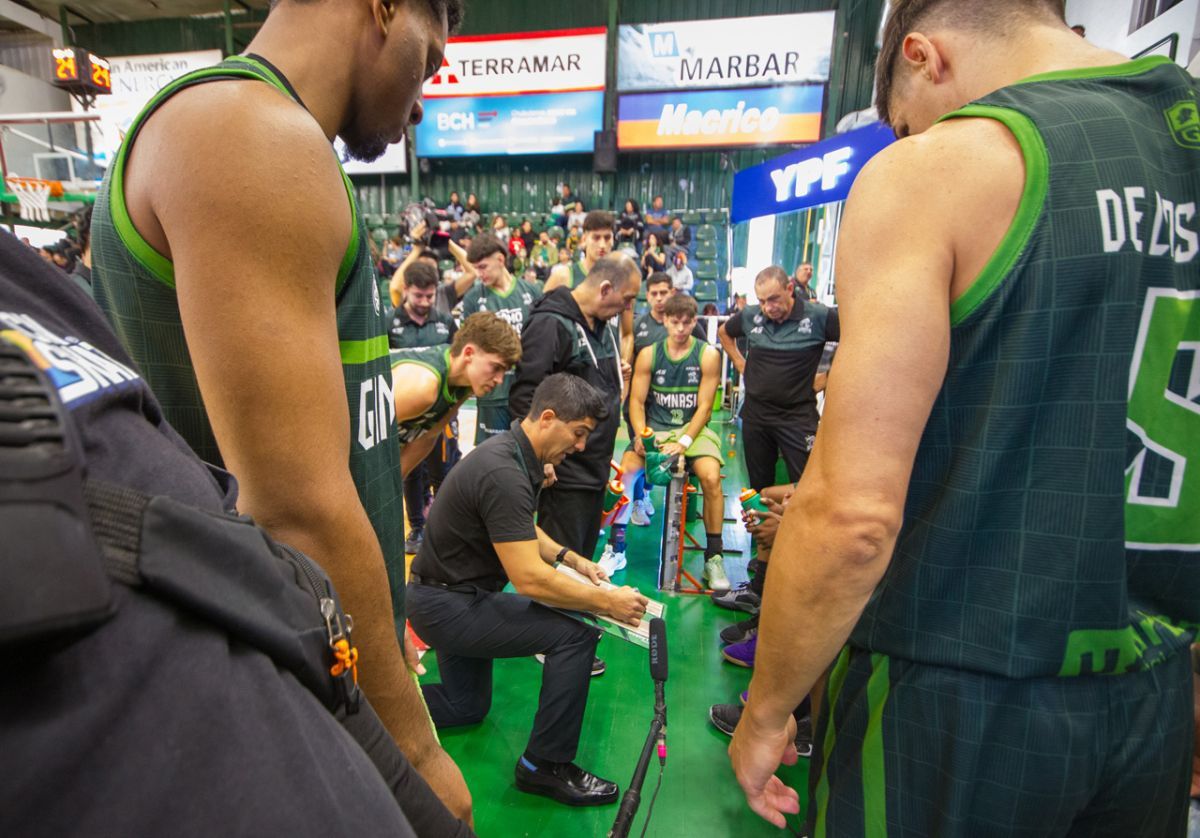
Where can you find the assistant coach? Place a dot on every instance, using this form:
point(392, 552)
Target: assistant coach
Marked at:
point(481, 534)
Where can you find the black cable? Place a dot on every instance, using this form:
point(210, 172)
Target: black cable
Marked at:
point(654, 797)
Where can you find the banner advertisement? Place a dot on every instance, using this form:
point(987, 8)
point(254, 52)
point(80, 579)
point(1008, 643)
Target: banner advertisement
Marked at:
point(819, 174)
point(565, 60)
point(135, 80)
point(720, 118)
point(730, 52)
point(517, 93)
point(547, 123)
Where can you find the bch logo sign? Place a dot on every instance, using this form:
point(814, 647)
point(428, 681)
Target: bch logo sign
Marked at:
point(1183, 118)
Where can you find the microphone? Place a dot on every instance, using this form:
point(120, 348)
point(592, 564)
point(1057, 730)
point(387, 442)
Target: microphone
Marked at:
point(658, 650)
point(658, 672)
point(657, 735)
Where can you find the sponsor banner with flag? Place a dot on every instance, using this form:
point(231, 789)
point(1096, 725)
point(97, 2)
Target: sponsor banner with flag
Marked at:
point(729, 52)
point(548, 123)
point(720, 118)
point(565, 60)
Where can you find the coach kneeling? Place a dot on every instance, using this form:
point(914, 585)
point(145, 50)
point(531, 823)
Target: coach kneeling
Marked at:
point(481, 533)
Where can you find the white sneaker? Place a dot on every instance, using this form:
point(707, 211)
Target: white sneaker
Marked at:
point(611, 561)
point(639, 516)
point(714, 574)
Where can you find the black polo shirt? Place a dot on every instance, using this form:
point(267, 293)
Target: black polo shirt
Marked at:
point(489, 498)
point(781, 360)
point(406, 333)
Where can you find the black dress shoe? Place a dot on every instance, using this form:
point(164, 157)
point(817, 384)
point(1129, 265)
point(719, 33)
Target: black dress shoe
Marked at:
point(566, 783)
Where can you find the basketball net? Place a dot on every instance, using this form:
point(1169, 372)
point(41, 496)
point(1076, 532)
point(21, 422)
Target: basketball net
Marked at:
point(33, 195)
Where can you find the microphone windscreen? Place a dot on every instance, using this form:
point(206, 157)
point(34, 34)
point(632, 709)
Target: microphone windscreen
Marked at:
point(658, 649)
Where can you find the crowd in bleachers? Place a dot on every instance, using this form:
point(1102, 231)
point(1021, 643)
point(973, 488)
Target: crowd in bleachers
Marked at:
point(684, 244)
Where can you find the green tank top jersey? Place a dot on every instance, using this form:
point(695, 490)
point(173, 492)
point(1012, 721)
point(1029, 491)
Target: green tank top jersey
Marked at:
point(578, 275)
point(436, 359)
point(135, 285)
point(1052, 524)
point(513, 307)
point(674, 391)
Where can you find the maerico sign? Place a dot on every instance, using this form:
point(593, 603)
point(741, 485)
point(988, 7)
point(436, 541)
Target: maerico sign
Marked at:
point(730, 52)
point(720, 118)
point(566, 60)
point(819, 174)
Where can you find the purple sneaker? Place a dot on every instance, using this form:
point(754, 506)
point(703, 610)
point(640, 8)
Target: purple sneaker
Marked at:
point(744, 697)
point(741, 654)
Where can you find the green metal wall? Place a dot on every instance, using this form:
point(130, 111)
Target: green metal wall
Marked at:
point(686, 179)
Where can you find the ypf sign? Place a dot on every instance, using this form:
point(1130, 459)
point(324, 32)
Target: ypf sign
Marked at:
point(820, 174)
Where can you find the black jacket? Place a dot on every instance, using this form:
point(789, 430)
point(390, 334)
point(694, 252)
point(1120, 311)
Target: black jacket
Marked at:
point(556, 338)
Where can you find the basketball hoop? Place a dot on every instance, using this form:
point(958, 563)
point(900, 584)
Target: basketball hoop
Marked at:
point(33, 195)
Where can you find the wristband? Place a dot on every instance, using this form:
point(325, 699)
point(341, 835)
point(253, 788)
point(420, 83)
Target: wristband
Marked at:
point(562, 555)
point(686, 441)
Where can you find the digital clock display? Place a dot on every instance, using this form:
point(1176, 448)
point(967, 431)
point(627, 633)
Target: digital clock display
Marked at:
point(78, 71)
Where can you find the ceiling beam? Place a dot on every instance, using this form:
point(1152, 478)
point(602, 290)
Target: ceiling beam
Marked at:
point(31, 20)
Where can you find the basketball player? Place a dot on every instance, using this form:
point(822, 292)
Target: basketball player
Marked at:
point(996, 536)
point(274, 360)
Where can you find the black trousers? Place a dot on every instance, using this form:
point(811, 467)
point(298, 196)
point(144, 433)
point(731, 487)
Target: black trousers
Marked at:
point(572, 517)
point(468, 631)
point(427, 477)
point(763, 443)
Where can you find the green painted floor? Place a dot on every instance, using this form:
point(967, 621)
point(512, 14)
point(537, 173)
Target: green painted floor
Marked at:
point(699, 795)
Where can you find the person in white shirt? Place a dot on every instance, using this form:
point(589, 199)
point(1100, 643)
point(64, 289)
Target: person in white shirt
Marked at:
point(681, 275)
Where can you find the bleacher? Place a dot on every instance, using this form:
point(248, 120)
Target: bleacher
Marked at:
point(708, 253)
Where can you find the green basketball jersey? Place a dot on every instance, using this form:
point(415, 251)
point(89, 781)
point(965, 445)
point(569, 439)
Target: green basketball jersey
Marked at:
point(578, 274)
point(1052, 524)
point(135, 285)
point(436, 359)
point(513, 307)
point(674, 391)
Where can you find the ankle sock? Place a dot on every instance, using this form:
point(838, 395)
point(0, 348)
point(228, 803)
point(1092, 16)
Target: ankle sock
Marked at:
point(714, 546)
point(537, 762)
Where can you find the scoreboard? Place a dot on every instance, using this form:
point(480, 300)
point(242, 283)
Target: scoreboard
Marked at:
point(78, 71)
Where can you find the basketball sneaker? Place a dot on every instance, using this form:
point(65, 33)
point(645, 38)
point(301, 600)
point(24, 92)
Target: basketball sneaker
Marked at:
point(714, 574)
point(740, 598)
point(641, 513)
point(739, 632)
point(611, 561)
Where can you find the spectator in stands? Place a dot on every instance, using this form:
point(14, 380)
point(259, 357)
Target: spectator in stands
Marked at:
point(393, 250)
point(454, 209)
point(544, 256)
point(500, 228)
point(564, 257)
point(680, 236)
point(518, 255)
point(574, 237)
point(566, 196)
point(803, 277)
point(681, 275)
point(629, 225)
point(577, 215)
point(658, 220)
point(472, 215)
point(527, 235)
point(654, 258)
